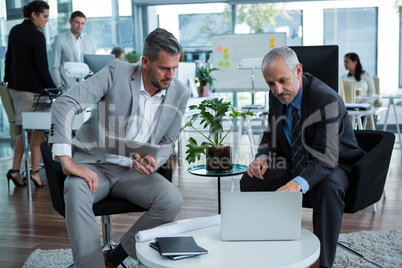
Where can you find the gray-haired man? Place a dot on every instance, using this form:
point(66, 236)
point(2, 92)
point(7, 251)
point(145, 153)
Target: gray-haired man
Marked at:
point(309, 145)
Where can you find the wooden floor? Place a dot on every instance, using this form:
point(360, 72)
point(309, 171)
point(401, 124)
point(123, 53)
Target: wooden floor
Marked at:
point(28, 225)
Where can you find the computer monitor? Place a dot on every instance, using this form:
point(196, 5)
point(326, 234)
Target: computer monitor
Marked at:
point(96, 62)
point(321, 62)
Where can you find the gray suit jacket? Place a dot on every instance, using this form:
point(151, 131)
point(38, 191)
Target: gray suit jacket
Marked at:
point(115, 90)
point(63, 50)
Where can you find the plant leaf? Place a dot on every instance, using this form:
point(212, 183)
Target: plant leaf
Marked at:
point(194, 150)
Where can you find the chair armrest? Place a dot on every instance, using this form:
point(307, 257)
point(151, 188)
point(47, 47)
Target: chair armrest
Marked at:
point(55, 178)
point(368, 175)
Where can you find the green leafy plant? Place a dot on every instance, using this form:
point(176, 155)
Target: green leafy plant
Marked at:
point(211, 113)
point(133, 56)
point(204, 70)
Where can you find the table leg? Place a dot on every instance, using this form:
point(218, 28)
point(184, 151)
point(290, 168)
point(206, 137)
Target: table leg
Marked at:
point(219, 194)
point(372, 122)
point(179, 149)
point(354, 121)
point(364, 122)
point(359, 122)
point(27, 160)
point(240, 123)
point(391, 100)
point(397, 124)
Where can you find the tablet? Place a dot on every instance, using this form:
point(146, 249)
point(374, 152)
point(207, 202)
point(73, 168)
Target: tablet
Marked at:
point(123, 147)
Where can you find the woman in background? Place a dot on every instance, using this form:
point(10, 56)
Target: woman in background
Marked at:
point(363, 79)
point(26, 75)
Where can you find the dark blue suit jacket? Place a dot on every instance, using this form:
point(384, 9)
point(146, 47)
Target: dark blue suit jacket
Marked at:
point(327, 133)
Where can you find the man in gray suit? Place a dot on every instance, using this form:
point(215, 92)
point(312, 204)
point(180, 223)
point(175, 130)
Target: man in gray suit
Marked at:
point(69, 47)
point(141, 102)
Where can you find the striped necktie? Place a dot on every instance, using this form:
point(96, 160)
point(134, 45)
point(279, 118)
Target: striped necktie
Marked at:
point(297, 150)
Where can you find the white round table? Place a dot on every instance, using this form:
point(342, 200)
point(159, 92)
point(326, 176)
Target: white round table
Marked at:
point(299, 253)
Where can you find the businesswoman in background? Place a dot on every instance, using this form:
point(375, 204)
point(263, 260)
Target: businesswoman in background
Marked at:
point(363, 79)
point(27, 74)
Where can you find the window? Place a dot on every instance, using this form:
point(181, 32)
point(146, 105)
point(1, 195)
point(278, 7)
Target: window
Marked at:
point(290, 22)
point(14, 9)
point(356, 31)
point(100, 31)
point(196, 30)
point(400, 47)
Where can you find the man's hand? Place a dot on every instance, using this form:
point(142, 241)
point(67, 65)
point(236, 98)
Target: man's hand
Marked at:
point(70, 168)
point(258, 167)
point(3, 83)
point(144, 165)
point(291, 186)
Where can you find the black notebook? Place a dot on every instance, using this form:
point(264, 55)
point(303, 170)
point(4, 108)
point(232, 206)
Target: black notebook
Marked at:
point(178, 245)
point(175, 257)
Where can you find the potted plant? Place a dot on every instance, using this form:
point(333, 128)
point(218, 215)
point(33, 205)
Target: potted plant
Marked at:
point(204, 78)
point(133, 56)
point(211, 112)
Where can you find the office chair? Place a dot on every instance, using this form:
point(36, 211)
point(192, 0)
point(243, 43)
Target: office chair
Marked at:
point(104, 208)
point(377, 102)
point(15, 131)
point(368, 175)
point(349, 88)
point(342, 91)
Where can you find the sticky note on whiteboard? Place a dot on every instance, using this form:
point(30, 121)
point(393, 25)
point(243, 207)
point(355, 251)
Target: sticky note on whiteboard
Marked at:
point(226, 56)
point(219, 48)
point(221, 63)
point(226, 50)
point(272, 41)
point(227, 64)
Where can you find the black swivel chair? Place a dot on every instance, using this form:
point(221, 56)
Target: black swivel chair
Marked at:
point(368, 175)
point(104, 208)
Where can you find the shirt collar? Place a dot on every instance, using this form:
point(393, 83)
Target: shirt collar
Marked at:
point(161, 93)
point(297, 101)
point(75, 38)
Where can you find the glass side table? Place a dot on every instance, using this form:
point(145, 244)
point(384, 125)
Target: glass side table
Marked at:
point(201, 170)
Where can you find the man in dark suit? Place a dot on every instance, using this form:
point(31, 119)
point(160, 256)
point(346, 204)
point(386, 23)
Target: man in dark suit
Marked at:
point(309, 145)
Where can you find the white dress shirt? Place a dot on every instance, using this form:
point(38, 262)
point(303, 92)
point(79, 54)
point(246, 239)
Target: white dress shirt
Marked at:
point(79, 46)
point(140, 128)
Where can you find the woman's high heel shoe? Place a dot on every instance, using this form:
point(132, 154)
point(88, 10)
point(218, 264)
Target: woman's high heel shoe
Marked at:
point(10, 177)
point(33, 172)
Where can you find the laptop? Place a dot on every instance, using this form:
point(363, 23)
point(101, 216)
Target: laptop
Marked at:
point(261, 216)
point(358, 106)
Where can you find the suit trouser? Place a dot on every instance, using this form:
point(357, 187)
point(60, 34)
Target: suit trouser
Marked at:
point(152, 191)
point(326, 199)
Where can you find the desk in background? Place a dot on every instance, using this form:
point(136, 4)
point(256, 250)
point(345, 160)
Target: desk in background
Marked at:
point(40, 121)
point(358, 115)
point(367, 98)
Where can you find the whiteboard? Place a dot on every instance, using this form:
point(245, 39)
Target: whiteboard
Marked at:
point(229, 50)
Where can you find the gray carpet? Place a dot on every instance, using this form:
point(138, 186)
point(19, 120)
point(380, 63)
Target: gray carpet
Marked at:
point(385, 248)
